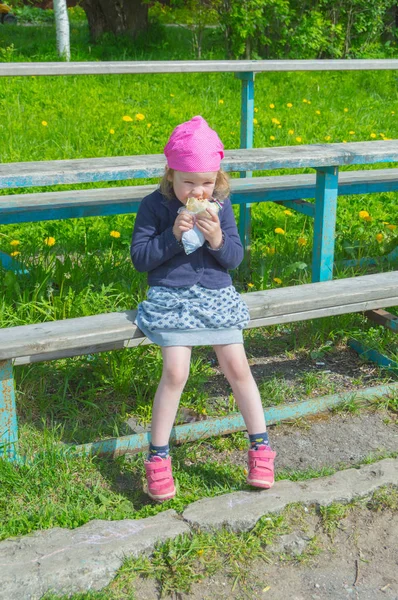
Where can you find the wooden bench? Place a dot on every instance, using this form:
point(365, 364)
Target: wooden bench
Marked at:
point(88, 335)
point(289, 190)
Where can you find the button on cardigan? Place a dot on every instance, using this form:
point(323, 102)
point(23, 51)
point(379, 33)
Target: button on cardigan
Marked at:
point(155, 250)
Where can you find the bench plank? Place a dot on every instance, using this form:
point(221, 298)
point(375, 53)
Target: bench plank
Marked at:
point(85, 335)
point(42, 173)
point(192, 66)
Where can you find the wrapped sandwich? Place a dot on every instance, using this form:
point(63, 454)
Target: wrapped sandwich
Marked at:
point(194, 239)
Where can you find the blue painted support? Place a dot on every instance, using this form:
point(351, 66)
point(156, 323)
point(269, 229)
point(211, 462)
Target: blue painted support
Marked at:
point(10, 264)
point(373, 355)
point(246, 141)
point(326, 191)
point(213, 427)
point(8, 415)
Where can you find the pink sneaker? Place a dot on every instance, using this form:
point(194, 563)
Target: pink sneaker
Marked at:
point(261, 467)
point(160, 478)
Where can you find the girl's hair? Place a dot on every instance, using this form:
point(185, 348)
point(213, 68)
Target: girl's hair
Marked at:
point(221, 189)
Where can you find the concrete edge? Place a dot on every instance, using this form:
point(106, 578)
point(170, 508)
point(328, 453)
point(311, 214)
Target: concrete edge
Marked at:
point(87, 558)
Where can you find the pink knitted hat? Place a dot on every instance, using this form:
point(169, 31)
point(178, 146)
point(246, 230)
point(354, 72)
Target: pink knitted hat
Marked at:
point(194, 147)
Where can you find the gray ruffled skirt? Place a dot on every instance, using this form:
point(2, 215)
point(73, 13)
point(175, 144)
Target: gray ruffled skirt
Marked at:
point(193, 316)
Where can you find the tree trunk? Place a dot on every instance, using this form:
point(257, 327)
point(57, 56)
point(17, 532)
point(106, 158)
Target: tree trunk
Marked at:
point(129, 17)
point(62, 28)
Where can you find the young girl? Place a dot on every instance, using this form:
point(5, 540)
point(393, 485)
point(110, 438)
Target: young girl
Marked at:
point(191, 300)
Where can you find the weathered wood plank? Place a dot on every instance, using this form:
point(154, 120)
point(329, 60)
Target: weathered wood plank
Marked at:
point(193, 66)
point(152, 165)
point(294, 303)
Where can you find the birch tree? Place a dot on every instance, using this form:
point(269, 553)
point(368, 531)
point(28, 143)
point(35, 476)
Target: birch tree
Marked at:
point(62, 28)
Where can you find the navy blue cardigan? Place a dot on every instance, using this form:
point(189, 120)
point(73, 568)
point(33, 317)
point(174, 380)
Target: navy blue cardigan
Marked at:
point(155, 249)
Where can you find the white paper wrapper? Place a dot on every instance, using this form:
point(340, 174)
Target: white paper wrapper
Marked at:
point(194, 239)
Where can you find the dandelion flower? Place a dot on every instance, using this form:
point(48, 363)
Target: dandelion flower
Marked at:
point(327, 138)
point(302, 241)
point(305, 100)
point(277, 280)
point(351, 132)
point(140, 117)
point(269, 250)
point(308, 101)
point(111, 131)
point(149, 125)
point(49, 241)
point(289, 105)
point(275, 121)
point(250, 285)
point(280, 231)
point(379, 237)
point(44, 123)
point(317, 112)
point(255, 109)
point(298, 139)
point(346, 110)
point(291, 131)
point(272, 137)
point(272, 105)
point(115, 234)
point(288, 212)
point(127, 118)
point(363, 214)
point(382, 135)
point(171, 95)
point(393, 112)
point(344, 141)
point(255, 121)
point(15, 253)
point(15, 242)
point(391, 227)
point(221, 101)
point(373, 135)
point(369, 219)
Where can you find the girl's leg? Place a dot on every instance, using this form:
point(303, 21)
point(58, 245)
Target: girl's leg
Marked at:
point(176, 362)
point(233, 363)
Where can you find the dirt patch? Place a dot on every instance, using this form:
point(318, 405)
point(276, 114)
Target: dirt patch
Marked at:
point(359, 561)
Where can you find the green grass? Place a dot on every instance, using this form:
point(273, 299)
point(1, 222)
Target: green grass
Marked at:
point(88, 271)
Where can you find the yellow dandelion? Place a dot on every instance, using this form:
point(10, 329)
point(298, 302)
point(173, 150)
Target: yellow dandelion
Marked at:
point(368, 219)
point(289, 105)
point(44, 123)
point(288, 212)
point(373, 135)
point(250, 285)
point(379, 237)
point(255, 121)
point(298, 139)
point(111, 131)
point(344, 141)
point(277, 280)
point(291, 131)
point(15, 242)
point(327, 137)
point(200, 552)
point(363, 214)
point(280, 231)
point(346, 110)
point(127, 118)
point(255, 109)
point(115, 234)
point(272, 105)
point(15, 253)
point(305, 100)
point(279, 126)
point(270, 250)
point(393, 112)
point(49, 241)
point(171, 95)
point(302, 241)
point(351, 132)
point(221, 101)
point(275, 121)
point(391, 227)
point(317, 112)
point(272, 137)
point(139, 117)
point(308, 101)
point(382, 135)
point(149, 125)
point(386, 223)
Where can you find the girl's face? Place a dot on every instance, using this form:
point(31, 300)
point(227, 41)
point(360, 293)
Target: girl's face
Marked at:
point(193, 185)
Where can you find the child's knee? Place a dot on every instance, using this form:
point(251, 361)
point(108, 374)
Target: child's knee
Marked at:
point(238, 370)
point(176, 375)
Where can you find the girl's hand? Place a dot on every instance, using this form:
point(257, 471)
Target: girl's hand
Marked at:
point(184, 222)
point(211, 229)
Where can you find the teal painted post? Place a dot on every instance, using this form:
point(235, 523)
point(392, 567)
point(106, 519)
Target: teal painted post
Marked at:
point(324, 223)
point(8, 415)
point(246, 141)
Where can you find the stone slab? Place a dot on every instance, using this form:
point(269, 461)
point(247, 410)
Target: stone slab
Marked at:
point(86, 558)
point(240, 511)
